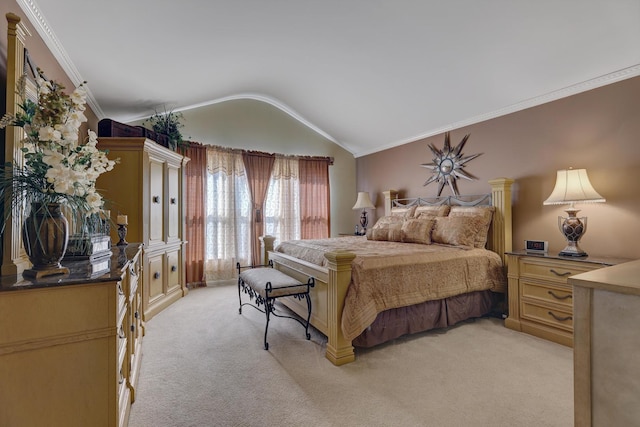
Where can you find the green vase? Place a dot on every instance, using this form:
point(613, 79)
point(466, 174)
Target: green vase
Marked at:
point(45, 235)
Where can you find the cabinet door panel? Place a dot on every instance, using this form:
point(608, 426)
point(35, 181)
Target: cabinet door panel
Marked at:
point(173, 265)
point(156, 279)
point(156, 202)
point(173, 213)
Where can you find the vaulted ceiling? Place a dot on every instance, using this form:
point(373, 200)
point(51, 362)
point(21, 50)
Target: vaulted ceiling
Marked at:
point(367, 74)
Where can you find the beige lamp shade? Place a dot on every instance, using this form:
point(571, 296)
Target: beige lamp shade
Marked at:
point(363, 202)
point(572, 186)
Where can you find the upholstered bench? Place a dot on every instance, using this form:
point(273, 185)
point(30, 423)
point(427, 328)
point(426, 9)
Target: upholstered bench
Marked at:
point(266, 284)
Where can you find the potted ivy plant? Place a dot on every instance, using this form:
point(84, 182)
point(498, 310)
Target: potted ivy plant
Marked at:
point(167, 123)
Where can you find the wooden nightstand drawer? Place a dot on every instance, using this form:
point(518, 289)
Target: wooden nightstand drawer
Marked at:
point(550, 270)
point(540, 297)
point(552, 317)
point(552, 294)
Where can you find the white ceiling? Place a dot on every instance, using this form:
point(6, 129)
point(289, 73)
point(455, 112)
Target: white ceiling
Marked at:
point(368, 74)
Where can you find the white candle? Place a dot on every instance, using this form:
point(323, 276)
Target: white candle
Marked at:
point(122, 220)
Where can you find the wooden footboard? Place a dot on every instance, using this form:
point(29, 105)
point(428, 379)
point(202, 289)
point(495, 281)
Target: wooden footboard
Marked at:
point(327, 296)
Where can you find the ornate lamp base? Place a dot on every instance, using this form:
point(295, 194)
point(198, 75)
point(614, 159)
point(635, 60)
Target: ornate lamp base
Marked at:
point(573, 229)
point(364, 221)
point(572, 249)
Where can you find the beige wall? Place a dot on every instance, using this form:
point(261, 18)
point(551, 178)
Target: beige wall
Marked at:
point(598, 130)
point(257, 125)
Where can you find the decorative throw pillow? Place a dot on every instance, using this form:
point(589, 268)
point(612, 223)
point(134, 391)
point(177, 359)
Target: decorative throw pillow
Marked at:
point(485, 213)
point(403, 212)
point(431, 211)
point(416, 230)
point(386, 228)
point(457, 230)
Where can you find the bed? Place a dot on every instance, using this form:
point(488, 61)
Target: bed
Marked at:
point(372, 289)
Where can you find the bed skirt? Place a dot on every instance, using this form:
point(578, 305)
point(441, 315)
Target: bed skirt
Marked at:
point(394, 323)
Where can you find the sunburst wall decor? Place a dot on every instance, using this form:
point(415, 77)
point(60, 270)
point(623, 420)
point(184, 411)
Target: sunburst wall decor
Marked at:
point(448, 164)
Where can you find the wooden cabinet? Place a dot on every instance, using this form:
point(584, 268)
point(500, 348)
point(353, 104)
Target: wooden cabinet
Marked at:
point(540, 297)
point(147, 186)
point(605, 361)
point(70, 347)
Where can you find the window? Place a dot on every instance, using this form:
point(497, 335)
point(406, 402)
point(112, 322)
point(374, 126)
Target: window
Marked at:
point(228, 207)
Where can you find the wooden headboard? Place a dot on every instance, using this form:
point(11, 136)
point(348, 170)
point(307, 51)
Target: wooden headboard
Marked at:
point(500, 233)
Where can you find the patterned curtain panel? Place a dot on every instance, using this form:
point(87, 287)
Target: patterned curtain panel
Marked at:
point(282, 204)
point(258, 167)
point(314, 198)
point(195, 173)
point(228, 214)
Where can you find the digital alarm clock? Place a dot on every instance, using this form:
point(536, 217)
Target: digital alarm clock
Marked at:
point(536, 246)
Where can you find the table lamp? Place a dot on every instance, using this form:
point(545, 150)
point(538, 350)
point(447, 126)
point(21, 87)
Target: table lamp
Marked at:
point(363, 202)
point(573, 186)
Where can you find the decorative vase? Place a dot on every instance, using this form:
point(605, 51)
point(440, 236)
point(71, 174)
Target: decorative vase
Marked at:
point(45, 234)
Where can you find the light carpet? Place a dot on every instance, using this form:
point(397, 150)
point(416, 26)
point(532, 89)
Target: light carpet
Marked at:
point(203, 364)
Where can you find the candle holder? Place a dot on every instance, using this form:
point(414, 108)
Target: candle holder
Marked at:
point(122, 233)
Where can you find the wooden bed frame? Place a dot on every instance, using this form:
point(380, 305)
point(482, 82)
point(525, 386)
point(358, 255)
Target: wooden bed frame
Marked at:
point(332, 281)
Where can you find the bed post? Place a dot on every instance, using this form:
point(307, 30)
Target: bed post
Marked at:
point(339, 350)
point(14, 258)
point(266, 245)
point(389, 197)
point(501, 237)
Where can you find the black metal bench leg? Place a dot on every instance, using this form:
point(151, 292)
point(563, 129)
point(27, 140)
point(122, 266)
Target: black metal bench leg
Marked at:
point(306, 328)
point(239, 295)
point(268, 308)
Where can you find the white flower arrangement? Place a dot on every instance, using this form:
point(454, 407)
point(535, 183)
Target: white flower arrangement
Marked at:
point(57, 169)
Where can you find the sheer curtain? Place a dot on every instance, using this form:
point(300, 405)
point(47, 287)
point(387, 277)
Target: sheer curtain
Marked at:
point(314, 198)
point(228, 209)
point(282, 203)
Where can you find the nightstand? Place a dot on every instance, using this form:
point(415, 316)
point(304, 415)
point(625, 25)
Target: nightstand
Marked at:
point(540, 298)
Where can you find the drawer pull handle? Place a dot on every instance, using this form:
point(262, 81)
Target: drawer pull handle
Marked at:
point(566, 273)
point(558, 318)
point(156, 275)
point(173, 268)
point(121, 333)
point(120, 291)
point(558, 296)
point(155, 199)
point(173, 200)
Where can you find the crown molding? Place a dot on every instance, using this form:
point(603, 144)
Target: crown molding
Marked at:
point(39, 22)
point(616, 76)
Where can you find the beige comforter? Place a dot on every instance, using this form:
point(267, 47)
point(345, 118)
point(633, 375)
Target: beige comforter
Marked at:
point(389, 275)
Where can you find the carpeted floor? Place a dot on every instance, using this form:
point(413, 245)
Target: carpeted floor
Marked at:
point(203, 365)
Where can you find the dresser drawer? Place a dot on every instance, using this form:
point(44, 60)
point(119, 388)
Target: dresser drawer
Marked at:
point(552, 270)
point(548, 293)
point(552, 317)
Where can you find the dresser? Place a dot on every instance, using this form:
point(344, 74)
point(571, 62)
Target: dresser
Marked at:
point(147, 186)
point(70, 345)
point(606, 346)
point(540, 297)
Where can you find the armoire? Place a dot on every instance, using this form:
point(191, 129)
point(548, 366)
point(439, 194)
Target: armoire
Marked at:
point(147, 186)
